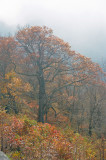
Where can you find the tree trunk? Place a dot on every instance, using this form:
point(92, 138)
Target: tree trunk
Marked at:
point(90, 129)
point(42, 96)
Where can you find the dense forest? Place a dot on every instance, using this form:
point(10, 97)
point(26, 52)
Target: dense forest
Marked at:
point(52, 99)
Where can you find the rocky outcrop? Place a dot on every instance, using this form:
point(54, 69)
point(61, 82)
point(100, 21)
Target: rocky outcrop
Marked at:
point(3, 156)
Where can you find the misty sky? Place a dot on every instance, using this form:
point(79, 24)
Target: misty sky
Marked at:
point(82, 23)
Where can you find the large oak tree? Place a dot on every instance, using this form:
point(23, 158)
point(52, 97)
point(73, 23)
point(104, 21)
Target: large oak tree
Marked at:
point(53, 64)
